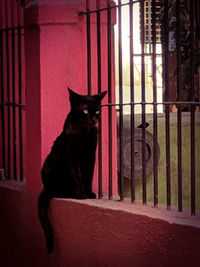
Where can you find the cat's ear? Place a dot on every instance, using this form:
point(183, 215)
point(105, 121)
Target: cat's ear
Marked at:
point(69, 90)
point(73, 97)
point(100, 96)
point(72, 93)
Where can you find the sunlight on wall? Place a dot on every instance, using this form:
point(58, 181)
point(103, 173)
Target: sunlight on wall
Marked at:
point(137, 63)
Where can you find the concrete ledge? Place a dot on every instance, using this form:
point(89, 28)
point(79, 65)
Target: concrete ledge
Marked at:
point(13, 185)
point(110, 233)
point(95, 233)
point(170, 216)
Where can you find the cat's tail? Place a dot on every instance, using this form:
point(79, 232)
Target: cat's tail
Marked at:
point(43, 206)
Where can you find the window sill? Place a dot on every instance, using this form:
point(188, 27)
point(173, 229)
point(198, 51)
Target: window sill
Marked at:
point(13, 185)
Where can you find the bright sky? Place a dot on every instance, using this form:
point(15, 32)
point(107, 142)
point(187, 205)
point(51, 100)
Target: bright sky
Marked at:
point(137, 63)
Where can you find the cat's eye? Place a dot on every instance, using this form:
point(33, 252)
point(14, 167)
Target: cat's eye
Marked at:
point(85, 111)
point(97, 112)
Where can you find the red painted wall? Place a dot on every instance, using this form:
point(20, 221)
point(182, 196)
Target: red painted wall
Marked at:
point(87, 233)
point(56, 58)
point(95, 233)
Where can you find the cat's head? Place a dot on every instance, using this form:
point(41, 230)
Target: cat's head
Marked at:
point(85, 109)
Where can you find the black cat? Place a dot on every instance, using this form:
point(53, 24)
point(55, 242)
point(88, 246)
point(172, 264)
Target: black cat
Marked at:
point(68, 169)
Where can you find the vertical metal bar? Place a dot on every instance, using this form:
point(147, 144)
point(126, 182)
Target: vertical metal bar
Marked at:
point(19, 33)
point(155, 122)
point(121, 151)
point(179, 141)
point(179, 98)
point(8, 93)
point(197, 20)
point(19, 13)
point(13, 94)
point(99, 91)
point(149, 26)
point(132, 124)
point(2, 99)
point(20, 102)
point(88, 47)
point(144, 193)
point(167, 118)
point(109, 94)
point(192, 133)
point(192, 109)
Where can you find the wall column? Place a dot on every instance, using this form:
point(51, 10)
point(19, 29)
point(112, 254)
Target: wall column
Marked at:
point(56, 58)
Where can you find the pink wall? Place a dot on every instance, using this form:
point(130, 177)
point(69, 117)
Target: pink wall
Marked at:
point(87, 233)
point(99, 233)
point(56, 58)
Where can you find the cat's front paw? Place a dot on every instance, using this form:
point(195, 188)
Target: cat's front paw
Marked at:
point(91, 195)
point(80, 196)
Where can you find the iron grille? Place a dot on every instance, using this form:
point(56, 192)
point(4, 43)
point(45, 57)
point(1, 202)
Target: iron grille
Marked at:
point(12, 95)
point(153, 33)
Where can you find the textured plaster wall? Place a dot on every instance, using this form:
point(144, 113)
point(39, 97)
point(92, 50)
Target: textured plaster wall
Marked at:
point(87, 233)
point(106, 234)
point(56, 58)
point(95, 233)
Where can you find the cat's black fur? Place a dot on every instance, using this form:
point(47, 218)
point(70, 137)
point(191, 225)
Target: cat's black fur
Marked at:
point(68, 169)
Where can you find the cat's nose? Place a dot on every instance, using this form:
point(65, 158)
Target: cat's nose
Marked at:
point(94, 120)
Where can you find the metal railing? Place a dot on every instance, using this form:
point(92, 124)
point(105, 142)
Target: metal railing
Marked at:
point(12, 96)
point(179, 93)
